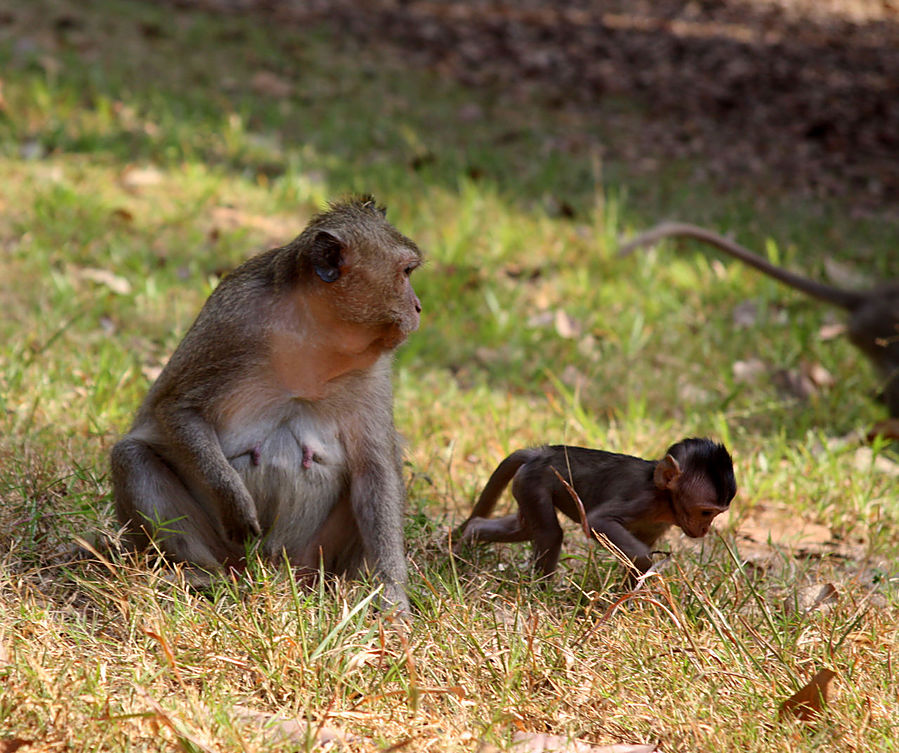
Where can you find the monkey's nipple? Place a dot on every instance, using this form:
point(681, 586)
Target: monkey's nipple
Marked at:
point(310, 456)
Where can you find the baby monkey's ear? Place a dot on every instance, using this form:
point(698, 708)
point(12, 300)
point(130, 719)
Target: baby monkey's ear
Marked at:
point(667, 473)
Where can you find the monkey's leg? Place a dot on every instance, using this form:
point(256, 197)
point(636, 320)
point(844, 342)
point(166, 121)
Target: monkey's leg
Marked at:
point(539, 516)
point(376, 498)
point(503, 530)
point(152, 502)
point(337, 546)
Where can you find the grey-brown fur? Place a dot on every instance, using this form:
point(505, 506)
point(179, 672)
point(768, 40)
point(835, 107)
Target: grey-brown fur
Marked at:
point(274, 416)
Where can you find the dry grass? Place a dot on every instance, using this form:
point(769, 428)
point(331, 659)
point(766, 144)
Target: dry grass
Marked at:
point(138, 160)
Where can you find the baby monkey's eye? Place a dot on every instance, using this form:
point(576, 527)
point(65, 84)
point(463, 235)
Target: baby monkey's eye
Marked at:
point(409, 270)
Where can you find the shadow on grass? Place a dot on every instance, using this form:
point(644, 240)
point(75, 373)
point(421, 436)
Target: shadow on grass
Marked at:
point(559, 110)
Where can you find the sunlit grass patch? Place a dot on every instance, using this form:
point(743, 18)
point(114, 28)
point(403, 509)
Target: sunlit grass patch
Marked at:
point(142, 156)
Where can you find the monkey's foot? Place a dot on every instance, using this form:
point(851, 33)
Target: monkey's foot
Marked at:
point(888, 429)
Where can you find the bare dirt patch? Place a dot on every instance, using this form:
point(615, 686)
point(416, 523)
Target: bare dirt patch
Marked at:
point(804, 94)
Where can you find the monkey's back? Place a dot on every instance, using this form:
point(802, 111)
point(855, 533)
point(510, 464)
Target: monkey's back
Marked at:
point(596, 476)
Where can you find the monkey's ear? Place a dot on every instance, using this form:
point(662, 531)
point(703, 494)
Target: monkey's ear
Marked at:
point(666, 472)
point(326, 255)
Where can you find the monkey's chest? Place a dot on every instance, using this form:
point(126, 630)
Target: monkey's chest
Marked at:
point(649, 533)
point(294, 468)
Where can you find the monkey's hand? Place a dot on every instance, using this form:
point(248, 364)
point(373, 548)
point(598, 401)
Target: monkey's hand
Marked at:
point(239, 519)
point(197, 445)
point(394, 602)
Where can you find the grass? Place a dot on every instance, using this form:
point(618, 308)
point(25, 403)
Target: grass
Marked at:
point(141, 155)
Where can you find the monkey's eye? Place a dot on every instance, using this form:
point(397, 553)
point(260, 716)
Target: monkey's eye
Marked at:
point(707, 513)
point(409, 270)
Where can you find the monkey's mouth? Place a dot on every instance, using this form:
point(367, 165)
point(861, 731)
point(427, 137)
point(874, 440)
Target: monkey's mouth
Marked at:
point(690, 532)
point(394, 335)
point(408, 324)
point(399, 329)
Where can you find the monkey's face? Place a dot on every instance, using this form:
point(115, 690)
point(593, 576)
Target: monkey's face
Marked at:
point(361, 266)
point(695, 506)
point(374, 286)
point(405, 313)
point(380, 297)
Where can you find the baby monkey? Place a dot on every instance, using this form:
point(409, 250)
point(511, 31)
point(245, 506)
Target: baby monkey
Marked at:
point(630, 500)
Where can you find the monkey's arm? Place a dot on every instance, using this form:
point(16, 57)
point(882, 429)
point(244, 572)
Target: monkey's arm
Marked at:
point(195, 445)
point(377, 497)
point(615, 531)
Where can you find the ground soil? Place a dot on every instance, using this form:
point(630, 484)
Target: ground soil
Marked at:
point(804, 93)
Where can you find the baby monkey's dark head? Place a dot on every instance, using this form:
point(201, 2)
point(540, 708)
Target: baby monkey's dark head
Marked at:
point(699, 474)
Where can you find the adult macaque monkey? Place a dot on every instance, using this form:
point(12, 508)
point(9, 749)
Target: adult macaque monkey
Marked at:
point(873, 314)
point(629, 500)
point(273, 419)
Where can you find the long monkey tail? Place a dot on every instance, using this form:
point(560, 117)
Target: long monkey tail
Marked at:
point(847, 299)
point(497, 482)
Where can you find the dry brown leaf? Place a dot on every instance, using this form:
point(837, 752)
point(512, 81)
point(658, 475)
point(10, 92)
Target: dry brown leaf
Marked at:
point(539, 742)
point(795, 383)
point(271, 85)
point(575, 378)
point(470, 112)
point(114, 282)
point(811, 597)
point(586, 346)
point(10, 744)
point(51, 65)
point(487, 355)
point(283, 729)
point(276, 228)
point(362, 659)
point(543, 299)
point(689, 392)
point(141, 177)
point(748, 371)
point(745, 314)
point(845, 276)
point(151, 372)
point(864, 461)
point(831, 331)
point(807, 703)
point(566, 325)
point(780, 525)
point(818, 375)
point(541, 319)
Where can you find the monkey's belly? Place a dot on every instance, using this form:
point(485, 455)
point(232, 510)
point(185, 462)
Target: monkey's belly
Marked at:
point(296, 473)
